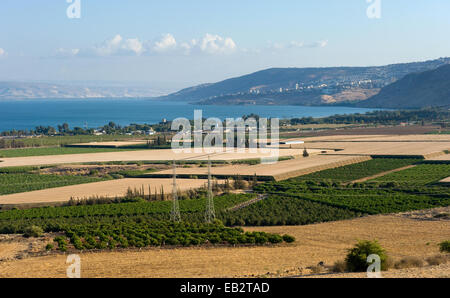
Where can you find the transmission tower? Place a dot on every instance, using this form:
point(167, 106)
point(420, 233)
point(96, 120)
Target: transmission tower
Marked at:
point(175, 213)
point(210, 212)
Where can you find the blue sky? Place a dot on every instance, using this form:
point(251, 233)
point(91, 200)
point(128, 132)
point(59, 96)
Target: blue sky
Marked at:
point(186, 42)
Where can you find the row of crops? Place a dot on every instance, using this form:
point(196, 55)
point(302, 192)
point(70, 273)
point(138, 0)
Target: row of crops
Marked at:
point(24, 182)
point(328, 195)
point(44, 151)
point(420, 175)
point(151, 233)
point(138, 224)
point(144, 208)
point(359, 170)
point(286, 210)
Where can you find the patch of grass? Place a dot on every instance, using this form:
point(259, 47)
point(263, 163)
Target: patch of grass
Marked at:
point(437, 260)
point(409, 262)
point(444, 246)
point(339, 267)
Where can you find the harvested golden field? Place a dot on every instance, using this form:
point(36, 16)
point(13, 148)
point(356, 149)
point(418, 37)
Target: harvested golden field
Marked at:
point(140, 155)
point(336, 138)
point(441, 157)
point(110, 188)
point(383, 148)
point(280, 170)
point(326, 242)
point(404, 138)
point(380, 138)
point(115, 144)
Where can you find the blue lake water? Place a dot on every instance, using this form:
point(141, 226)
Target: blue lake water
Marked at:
point(27, 114)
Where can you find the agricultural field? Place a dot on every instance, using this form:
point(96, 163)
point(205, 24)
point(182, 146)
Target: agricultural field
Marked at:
point(383, 148)
point(279, 210)
point(358, 170)
point(326, 242)
point(66, 140)
point(134, 224)
point(332, 188)
point(326, 191)
point(420, 175)
point(99, 188)
point(25, 179)
point(46, 151)
point(136, 155)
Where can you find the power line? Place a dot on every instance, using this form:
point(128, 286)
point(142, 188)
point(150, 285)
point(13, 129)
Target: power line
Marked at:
point(210, 215)
point(175, 214)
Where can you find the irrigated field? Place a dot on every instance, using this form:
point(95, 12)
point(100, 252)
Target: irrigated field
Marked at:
point(17, 180)
point(8, 153)
point(325, 242)
point(420, 175)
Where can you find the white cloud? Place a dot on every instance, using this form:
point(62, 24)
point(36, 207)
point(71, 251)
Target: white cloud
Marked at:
point(210, 44)
point(118, 46)
point(61, 52)
point(3, 53)
point(166, 43)
point(298, 45)
point(215, 44)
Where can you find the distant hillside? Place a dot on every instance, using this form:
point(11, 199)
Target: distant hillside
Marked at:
point(417, 90)
point(305, 85)
point(27, 90)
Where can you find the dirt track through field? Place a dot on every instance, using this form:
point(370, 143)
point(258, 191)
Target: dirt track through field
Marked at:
point(382, 174)
point(326, 242)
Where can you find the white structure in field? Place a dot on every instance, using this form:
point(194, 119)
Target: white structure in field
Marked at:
point(292, 142)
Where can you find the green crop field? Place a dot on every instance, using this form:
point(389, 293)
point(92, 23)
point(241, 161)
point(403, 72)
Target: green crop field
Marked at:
point(66, 140)
point(6, 153)
point(136, 224)
point(24, 179)
point(320, 197)
point(157, 210)
point(410, 189)
point(420, 175)
point(359, 170)
point(285, 210)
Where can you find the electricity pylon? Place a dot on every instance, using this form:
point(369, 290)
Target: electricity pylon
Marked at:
point(210, 214)
point(175, 213)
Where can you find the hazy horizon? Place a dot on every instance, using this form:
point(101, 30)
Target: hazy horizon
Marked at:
point(183, 44)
